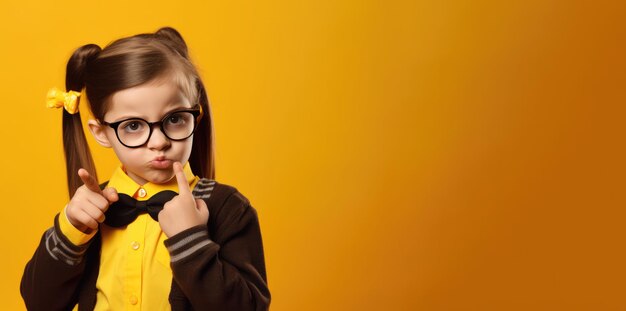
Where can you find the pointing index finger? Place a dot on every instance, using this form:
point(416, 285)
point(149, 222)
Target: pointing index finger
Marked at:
point(183, 186)
point(89, 181)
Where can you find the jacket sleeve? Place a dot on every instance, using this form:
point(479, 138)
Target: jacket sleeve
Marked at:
point(225, 271)
point(52, 276)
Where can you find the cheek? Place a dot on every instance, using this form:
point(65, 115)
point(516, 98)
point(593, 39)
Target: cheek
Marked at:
point(125, 154)
point(184, 149)
point(189, 145)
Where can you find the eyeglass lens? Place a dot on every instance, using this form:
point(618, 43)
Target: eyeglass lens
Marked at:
point(176, 126)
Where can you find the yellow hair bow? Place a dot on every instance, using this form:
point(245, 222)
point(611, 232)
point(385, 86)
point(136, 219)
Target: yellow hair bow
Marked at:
point(57, 99)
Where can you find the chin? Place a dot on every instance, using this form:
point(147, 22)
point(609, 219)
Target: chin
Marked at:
point(161, 178)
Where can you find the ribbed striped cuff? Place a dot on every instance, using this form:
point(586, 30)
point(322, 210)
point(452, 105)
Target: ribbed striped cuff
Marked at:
point(189, 242)
point(60, 248)
point(203, 188)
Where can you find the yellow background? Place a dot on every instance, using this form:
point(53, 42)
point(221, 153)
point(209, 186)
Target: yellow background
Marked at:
point(402, 155)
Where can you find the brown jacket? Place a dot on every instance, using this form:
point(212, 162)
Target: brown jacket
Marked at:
point(219, 266)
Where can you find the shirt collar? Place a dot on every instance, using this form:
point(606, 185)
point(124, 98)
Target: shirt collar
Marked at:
point(124, 184)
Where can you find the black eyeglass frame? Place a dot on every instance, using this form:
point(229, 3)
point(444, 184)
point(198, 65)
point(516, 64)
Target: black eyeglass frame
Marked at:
point(197, 113)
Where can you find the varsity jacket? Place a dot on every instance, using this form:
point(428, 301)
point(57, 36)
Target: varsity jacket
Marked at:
point(218, 266)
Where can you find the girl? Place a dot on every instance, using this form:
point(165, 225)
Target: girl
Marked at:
point(161, 234)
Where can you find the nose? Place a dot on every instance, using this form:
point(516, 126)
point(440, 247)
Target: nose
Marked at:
point(158, 140)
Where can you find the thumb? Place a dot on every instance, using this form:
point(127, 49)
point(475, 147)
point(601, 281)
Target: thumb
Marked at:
point(202, 209)
point(110, 194)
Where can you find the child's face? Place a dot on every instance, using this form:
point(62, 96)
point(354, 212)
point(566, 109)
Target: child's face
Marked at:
point(152, 161)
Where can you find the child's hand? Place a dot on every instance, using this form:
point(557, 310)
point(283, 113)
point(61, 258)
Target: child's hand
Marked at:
point(86, 209)
point(183, 211)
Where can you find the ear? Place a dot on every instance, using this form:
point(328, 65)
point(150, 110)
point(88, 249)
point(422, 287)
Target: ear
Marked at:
point(98, 132)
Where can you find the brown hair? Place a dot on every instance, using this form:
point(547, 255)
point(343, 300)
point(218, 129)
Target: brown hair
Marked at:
point(123, 64)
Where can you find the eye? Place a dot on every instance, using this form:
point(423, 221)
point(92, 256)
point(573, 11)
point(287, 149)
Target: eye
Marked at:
point(176, 119)
point(132, 126)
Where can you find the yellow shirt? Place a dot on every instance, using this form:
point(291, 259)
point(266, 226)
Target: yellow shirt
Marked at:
point(135, 271)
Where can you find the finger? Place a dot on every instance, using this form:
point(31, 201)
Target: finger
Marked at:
point(98, 201)
point(200, 205)
point(183, 186)
point(87, 220)
point(95, 213)
point(202, 208)
point(88, 180)
point(110, 194)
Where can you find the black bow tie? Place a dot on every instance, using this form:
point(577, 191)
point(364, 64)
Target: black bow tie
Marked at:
point(126, 209)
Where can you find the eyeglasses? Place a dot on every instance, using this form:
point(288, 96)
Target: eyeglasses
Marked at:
point(176, 125)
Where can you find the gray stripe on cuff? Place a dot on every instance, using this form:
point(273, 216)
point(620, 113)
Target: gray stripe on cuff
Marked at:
point(48, 234)
point(190, 251)
point(174, 247)
point(209, 189)
point(52, 242)
point(58, 241)
point(205, 181)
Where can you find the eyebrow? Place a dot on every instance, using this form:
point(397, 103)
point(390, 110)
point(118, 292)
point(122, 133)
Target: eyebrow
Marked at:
point(180, 106)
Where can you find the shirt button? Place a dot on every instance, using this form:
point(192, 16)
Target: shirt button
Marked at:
point(142, 192)
point(135, 245)
point(133, 300)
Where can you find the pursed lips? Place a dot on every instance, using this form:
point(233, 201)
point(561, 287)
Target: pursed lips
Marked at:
point(161, 162)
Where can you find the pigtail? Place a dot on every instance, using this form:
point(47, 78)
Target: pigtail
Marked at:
point(202, 159)
point(77, 153)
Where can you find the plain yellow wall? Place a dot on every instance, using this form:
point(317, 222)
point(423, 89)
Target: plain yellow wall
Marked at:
point(402, 155)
